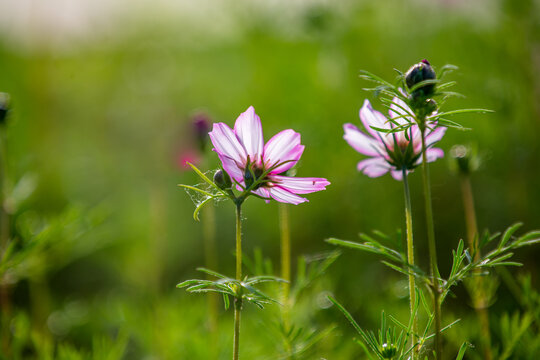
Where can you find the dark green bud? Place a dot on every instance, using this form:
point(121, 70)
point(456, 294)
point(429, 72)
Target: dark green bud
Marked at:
point(418, 73)
point(4, 107)
point(222, 180)
point(388, 351)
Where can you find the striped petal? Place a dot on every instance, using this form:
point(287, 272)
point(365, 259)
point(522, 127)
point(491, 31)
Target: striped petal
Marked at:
point(374, 167)
point(361, 142)
point(299, 185)
point(248, 129)
point(279, 194)
point(226, 143)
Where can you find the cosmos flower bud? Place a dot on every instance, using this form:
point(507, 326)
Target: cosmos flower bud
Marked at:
point(4, 107)
point(222, 180)
point(201, 127)
point(418, 73)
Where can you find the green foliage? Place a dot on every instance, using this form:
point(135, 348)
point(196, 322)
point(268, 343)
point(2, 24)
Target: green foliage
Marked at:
point(228, 287)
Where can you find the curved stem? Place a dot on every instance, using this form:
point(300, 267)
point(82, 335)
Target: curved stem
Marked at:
point(432, 248)
point(238, 300)
point(410, 258)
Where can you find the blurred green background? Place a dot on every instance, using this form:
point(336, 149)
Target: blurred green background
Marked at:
point(103, 96)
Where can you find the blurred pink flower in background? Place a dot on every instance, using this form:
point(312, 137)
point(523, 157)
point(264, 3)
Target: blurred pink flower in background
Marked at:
point(193, 144)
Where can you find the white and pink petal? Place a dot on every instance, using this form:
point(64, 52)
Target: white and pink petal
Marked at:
point(434, 154)
point(249, 132)
point(226, 143)
point(283, 146)
point(292, 158)
point(232, 168)
point(400, 112)
point(300, 185)
point(361, 142)
point(435, 135)
point(282, 195)
point(374, 167)
point(371, 117)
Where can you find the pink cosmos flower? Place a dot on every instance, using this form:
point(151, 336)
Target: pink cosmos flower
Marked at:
point(244, 154)
point(395, 151)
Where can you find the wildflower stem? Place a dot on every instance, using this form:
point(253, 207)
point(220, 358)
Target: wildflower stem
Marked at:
point(479, 296)
point(410, 257)
point(432, 247)
point(285, 259)
point(238, 300)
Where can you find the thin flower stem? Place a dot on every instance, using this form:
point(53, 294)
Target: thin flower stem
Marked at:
point(238, 300)
point(285, 269)
point(285, 258)
point(478, 295)
point(410, 258)
point(432, 248)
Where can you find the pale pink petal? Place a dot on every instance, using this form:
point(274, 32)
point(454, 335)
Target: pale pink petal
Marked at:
point(299, 185)
point(262, 192)
point(226, 143)
point(374, 118)
point(282, 147)
point(434, 154)
point(232, 168)
point(248, 129)
point(435, 135)
point(374, 167)
point(402, 110)
point(292, 158)
point(361, 142)
point(279, 194)
point(416, 138)
point(397, 174)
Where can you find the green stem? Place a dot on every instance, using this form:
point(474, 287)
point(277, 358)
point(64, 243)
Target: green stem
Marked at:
point(432, 248)
point(285, 268)
point(285, 255)
point(478, 296)
point(410, 258)
point(238, 300)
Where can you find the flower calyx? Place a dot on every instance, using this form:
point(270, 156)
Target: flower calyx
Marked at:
point(403, 154)
point(252, 175)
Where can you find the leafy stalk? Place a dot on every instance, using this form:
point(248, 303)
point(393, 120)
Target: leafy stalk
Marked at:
point(238, 300)
point(410, 258)
point(432, 248)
